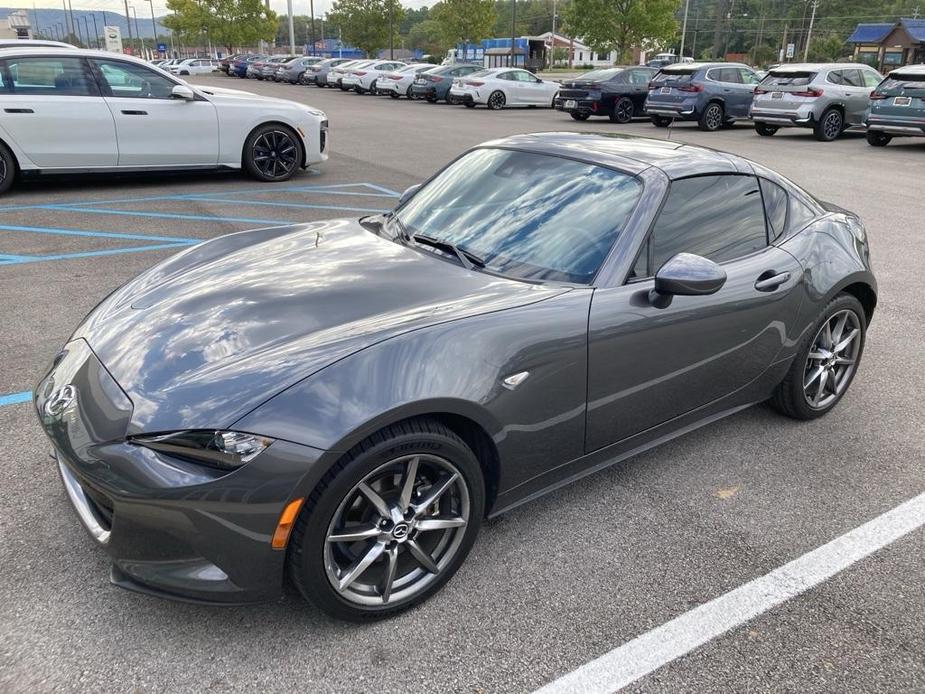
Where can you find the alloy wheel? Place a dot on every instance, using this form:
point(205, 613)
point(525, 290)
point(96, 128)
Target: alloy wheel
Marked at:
point(3, 171)
point(275, 153)
point(397, 530)
point(831, 126)
point(832, 359)
point(713, 117)
point(623, 111)
point(496, 100)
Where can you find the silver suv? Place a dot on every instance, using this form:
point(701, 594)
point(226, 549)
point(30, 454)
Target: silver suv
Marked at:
point(825, 97)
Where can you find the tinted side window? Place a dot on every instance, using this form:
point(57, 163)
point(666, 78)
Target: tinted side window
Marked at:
point(730, 74)
point(775, 206)
point(718, 217)
point(748, 77)
point(49, 77)
point(134, 81)
point(836, 77)
point(871, 79)
point(853, 78)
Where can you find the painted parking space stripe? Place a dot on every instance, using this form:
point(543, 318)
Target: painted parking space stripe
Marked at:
point(287, 204)
point(678, 637)
point(15, 398)
point(161, 215)
point(22, 259)
point(100, 234)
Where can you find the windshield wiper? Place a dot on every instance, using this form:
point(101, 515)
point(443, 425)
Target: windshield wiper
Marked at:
point(468, 259)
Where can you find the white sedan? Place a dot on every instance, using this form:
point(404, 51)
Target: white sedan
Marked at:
point(398, 83)
point(364, 79)
point(85, 111)
point(500, 87)
point(193, 66)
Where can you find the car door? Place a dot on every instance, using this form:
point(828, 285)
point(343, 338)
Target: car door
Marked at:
point(152, 127)
point(750, 80)
point(637, 86)
point(53, 111)
point(730, 83)
point(857, 95)
point(649, 365)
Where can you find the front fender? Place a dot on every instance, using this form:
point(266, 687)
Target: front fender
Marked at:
point(455, 368)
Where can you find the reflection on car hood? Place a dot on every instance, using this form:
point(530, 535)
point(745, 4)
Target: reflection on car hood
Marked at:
point(204, 337)
point(223, 95)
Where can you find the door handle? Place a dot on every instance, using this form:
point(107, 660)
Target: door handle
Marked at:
point(769, 284)
point(135, 113)
point(18, 110)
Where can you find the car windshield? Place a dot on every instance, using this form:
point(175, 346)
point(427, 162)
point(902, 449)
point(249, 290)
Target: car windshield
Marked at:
point(788, 78)
point(528, 216)
point(600, 75)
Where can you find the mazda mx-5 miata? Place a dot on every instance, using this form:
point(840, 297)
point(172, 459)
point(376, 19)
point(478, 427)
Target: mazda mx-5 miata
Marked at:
point(340, 404)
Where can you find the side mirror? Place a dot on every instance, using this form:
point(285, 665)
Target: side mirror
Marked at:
point(407, 194)
point(686, 274)
point(181, 91)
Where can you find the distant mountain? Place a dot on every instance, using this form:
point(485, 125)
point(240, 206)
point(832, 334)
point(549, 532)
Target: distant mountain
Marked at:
point(44, 18)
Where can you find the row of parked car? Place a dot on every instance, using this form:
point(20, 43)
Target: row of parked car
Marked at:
point(827, 98)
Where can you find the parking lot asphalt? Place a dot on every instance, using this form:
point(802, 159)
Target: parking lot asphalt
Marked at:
point(549, 586)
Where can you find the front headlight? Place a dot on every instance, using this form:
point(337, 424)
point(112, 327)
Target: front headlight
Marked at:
point(226, 450)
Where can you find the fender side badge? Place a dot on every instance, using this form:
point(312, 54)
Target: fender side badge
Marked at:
point(514, 380)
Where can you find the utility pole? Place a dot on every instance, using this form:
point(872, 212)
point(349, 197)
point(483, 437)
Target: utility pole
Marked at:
point(128, 20)
point(153, 26)
point(138, 33)
point(391, 32)
point(311, 9)
point(687, 6)
point(513, 29)
point(96, 30)
point(809, 34)
point(783, 45)
point(552, 57)
point(74, 27)
point(291, 28)
point(87, 30)
point(67, 27)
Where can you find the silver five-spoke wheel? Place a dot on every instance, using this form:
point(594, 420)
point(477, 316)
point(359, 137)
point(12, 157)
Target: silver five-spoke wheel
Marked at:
point(832, 359)
point(396, 530)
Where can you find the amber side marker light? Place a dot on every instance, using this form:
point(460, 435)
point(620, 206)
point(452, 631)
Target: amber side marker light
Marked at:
point(286, 521)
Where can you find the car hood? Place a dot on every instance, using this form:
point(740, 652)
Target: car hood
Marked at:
point(203, 338)
point(223, 95)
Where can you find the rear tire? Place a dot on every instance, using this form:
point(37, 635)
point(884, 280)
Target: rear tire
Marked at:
point(661, 121)
point(470, 104)
point(829, 126)
point(622, 111)
point(876, 138)
point(496, 100)
point(793, 394)
point(712, 118)
point(7, 168)
point(579, 116)
point(395, 95)
point(765, 130)
point(336, 505)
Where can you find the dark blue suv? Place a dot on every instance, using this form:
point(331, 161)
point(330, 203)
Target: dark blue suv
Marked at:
point(713, 94)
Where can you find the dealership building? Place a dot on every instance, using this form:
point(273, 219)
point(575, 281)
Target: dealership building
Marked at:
point(889, 45)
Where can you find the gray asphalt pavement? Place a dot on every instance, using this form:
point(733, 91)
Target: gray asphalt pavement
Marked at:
point(549, 586)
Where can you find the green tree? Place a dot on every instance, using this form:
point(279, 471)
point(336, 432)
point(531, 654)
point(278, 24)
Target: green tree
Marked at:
point(228, 23)
point(621, 25)
point(464, 20)
point(365, 23)
point(427, 36)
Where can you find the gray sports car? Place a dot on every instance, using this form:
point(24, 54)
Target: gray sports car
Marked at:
point(340, 404)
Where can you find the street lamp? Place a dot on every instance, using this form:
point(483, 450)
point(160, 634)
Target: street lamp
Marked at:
point(153, 24)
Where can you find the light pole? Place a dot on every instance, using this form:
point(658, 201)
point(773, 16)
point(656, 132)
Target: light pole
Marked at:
point(128, 21)
point(140, 40)
point(552, 57)
point(513, 29)
point(153, 25)
point(96, 30)
point(391, 32)
point(291, 28)
point(687, 5)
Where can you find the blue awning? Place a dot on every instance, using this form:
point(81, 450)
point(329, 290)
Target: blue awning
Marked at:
point(915, 28)
point(870, 33)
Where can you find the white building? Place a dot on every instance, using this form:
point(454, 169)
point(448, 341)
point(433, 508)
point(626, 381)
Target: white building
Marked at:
point(581, 54)
point(16, 26)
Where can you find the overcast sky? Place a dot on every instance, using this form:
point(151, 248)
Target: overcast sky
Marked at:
point(160, 7)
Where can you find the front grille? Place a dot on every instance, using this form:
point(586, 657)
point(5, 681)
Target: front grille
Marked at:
point(573, 93)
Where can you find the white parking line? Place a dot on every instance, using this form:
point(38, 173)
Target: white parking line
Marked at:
point(650, 651)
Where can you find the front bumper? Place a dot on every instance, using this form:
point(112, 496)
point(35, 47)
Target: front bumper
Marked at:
point(170, 526)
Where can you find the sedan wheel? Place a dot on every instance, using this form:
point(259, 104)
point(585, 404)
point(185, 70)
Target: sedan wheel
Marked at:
point(829, 126)
point(823, 370)
point(387, 531)
point(622, 111)
point(877, 138)
point(7, 169)
point(765, 130)
point(580, 115)
point(496, 100)
point(272, 153)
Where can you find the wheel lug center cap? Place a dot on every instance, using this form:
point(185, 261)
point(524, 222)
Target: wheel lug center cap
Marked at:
point(400, 532)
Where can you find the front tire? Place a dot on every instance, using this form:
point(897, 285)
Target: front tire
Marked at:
point(826, 362)
point(578, 115)
point(272, 153)
point(829, 127)
point(765, 130)
point(7, 169)
point(712, 118)
point(389, 524)
point(876, 138)
point(496, 101)
point(622, 111)
point(660, 121)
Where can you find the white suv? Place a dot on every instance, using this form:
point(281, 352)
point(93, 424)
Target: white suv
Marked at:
point(82, 110)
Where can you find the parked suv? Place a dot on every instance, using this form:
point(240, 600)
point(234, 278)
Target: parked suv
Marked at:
point(897, 106)
point(616, 92)
point(713, 94)
point(825, 97)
